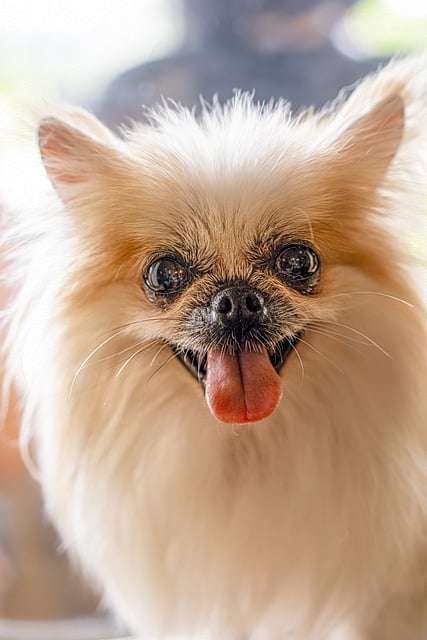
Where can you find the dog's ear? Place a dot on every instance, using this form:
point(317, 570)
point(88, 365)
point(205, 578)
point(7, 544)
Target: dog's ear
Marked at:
point(73, 157)
point(368, 145)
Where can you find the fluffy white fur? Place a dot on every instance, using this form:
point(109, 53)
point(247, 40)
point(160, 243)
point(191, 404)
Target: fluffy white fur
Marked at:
point(311, 523)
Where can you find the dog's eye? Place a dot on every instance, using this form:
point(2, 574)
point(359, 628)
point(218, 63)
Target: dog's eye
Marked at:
point(299, 266)
point(166, 275)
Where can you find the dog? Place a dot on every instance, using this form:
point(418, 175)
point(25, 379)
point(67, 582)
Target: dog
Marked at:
point(220, 342)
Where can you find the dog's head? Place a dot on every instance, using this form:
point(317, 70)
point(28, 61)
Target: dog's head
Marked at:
point(235, 234)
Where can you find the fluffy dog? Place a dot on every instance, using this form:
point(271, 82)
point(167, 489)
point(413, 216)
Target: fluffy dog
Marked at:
point(222, 353)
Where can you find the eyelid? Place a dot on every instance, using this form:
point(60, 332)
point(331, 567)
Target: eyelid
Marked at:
point(162, 255)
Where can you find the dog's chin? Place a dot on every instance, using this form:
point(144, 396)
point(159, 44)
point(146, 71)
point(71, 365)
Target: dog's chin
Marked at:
point(243, 385)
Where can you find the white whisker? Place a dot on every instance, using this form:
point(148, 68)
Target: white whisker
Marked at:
point(116, 354)
point(116, 332)
point(359, 333)
point(158, 352)
point(330, 333)
point(295, 350)
point(309, 223)
point(91, 354)
point(160, 367)
point(345, 341)
point(145, 347)
point(348, 294)
point(321, 354)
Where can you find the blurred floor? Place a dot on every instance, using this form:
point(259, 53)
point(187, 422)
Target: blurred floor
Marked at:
point(39, 583)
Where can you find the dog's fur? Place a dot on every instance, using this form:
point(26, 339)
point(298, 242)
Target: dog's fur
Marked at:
point(312, 522)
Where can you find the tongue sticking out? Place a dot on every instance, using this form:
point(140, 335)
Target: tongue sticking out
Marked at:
point(241, 387)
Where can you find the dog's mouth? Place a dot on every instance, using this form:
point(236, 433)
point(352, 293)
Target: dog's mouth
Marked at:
point(243, 386)
point(197, 363)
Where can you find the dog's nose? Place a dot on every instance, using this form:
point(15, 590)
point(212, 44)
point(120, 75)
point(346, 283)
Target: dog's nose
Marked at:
point(238, 307)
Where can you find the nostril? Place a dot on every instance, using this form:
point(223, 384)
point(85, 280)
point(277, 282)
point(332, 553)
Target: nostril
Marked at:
point(253, 304)
point(225, 306)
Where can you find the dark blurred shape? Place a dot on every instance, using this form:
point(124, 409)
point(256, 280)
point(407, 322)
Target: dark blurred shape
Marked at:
point(279, 48)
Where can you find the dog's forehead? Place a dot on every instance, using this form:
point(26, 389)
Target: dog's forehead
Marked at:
point(227, 235)
point(239, 209)
point(219, 193)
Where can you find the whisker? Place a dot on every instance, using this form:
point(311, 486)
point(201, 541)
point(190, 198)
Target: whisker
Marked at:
point(359, 333)
point(336, 338)
point(348, 294)
point(331, 333)
point(160, 367)
point(116, 354)
point(321, 354)
point(156, 355)
point(140, 321)
point(91, 354)
point(145, 347)
point(294, 348)
point(200, 360)
point(309, 223)
point(116, 331)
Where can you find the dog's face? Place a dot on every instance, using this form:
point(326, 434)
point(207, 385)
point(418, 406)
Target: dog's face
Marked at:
point(234, 325)
point(235, 238)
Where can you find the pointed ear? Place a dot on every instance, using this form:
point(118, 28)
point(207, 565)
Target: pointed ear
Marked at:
point(369, 145)
point(72, 157)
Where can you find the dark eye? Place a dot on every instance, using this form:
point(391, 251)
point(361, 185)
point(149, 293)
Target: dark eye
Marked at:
point(299, 265)
point(165, 276)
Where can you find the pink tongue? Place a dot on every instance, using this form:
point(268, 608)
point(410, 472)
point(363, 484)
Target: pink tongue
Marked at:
point(241, 387)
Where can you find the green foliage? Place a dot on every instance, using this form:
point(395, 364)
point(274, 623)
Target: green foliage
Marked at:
point(384, 31)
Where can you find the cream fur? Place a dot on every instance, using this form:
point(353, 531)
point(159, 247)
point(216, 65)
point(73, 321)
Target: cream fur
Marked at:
point(311, 523)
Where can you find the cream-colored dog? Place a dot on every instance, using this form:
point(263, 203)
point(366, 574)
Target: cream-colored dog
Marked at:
point(222, 353)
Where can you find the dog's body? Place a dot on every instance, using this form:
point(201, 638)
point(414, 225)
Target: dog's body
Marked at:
point(314, 520)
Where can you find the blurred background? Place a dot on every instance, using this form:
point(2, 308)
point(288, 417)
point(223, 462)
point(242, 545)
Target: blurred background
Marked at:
point(113, 56)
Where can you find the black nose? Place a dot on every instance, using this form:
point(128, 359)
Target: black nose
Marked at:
point(238, 307)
